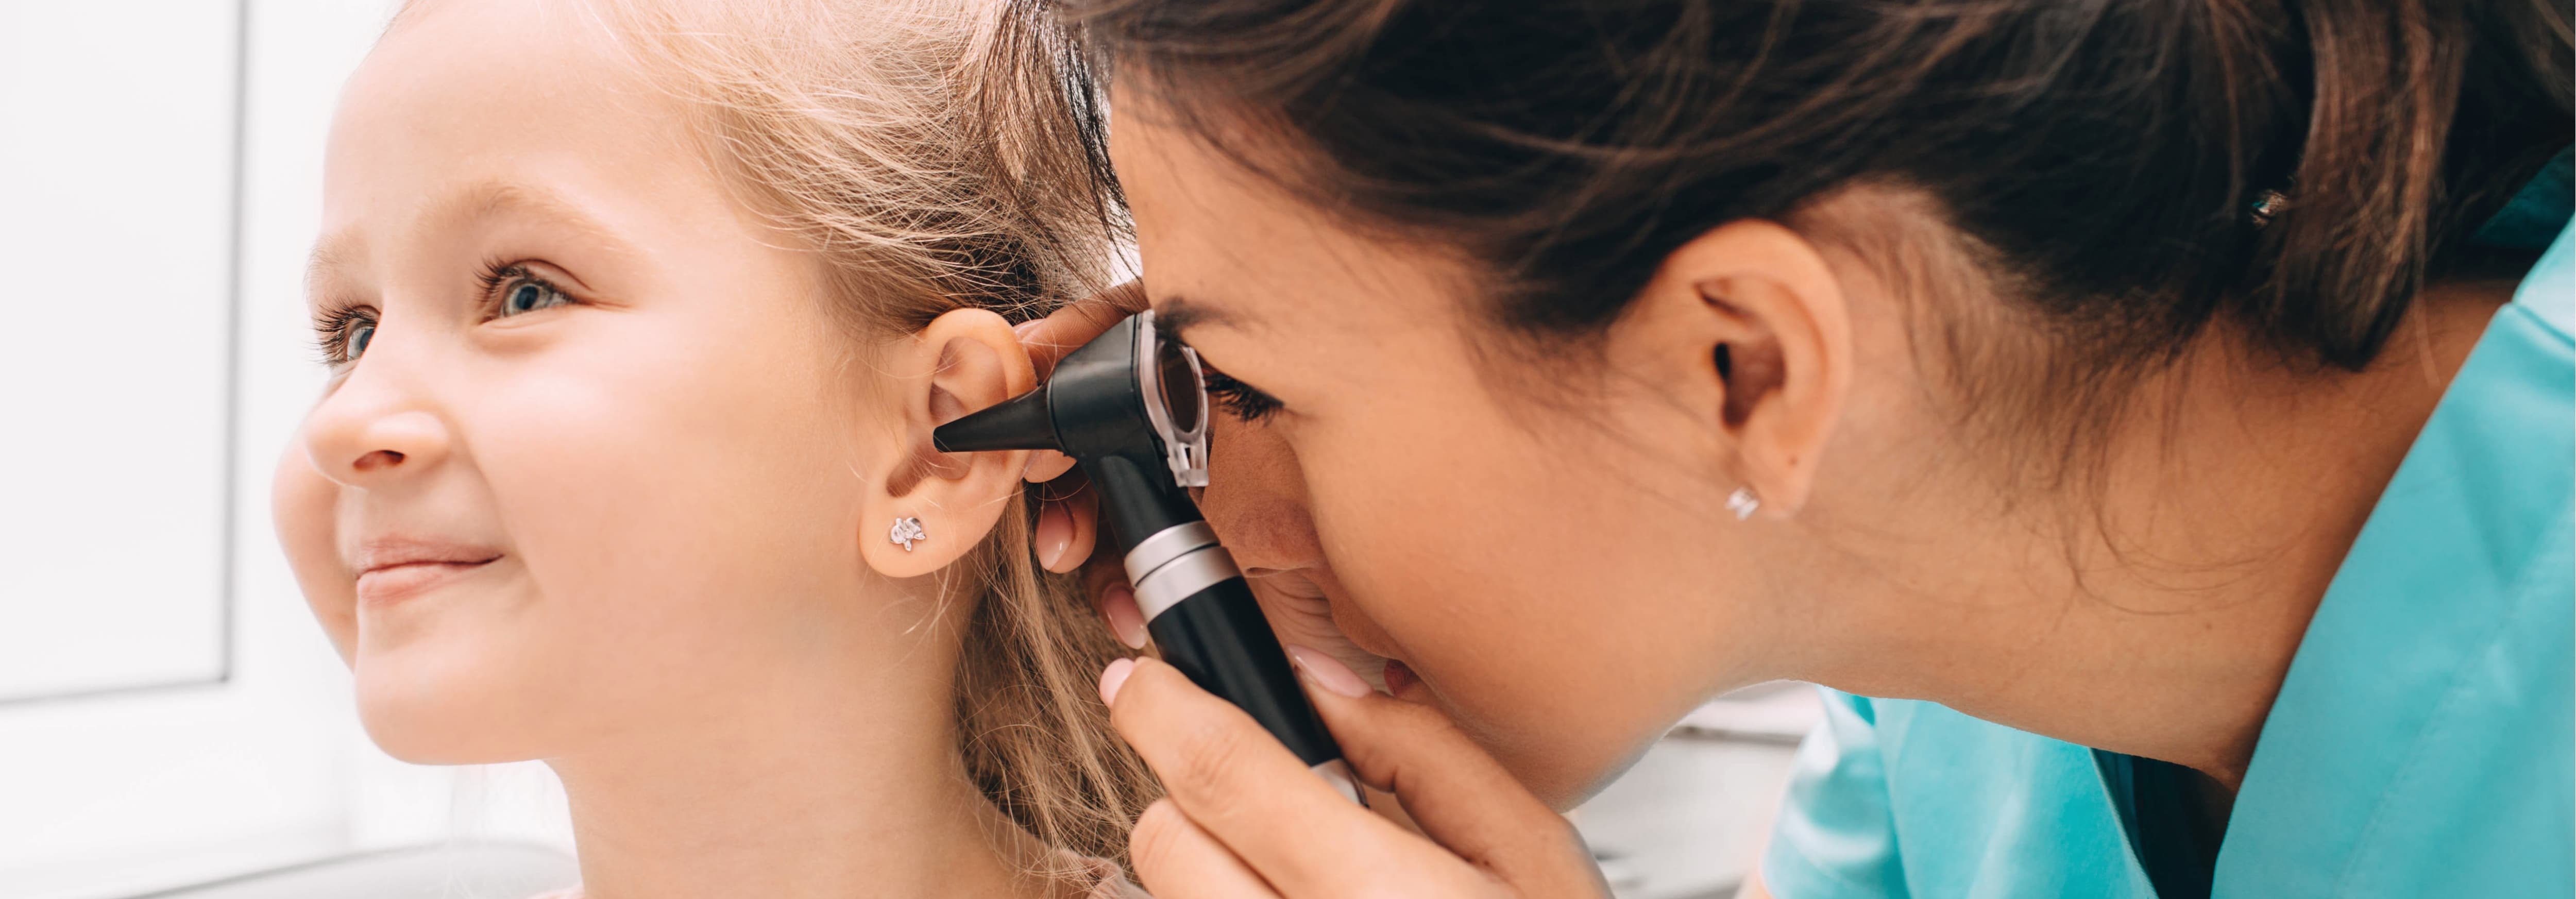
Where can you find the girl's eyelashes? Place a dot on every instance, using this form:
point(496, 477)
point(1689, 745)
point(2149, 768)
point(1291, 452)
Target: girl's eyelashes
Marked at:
point(343, 332)
point(511, 290)
point(1243, 401)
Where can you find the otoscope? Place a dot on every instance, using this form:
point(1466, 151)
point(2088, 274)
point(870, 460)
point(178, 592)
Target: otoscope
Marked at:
point(1131, 408)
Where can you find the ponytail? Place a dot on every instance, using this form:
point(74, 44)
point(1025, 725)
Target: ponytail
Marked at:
point(2424, 116)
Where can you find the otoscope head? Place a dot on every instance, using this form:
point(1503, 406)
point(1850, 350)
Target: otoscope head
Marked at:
point(1020, 423)
point(1129, 407)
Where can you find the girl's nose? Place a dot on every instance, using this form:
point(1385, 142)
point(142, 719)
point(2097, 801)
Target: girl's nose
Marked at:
point(370, 433)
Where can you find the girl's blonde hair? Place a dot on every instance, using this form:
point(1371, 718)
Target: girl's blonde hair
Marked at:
point(936, 155)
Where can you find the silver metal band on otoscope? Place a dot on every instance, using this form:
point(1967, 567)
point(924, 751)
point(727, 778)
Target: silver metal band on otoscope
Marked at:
point(1170, 566)
point(1204, 567)
point(1160, 549)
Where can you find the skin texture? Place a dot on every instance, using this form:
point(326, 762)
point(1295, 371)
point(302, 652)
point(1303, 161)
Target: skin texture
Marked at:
point(1541, 539)
point(648, 526)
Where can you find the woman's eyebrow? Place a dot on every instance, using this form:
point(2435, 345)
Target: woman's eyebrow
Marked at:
point(1175, 313)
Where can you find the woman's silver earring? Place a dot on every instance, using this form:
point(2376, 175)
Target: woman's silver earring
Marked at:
point(1742, 502)
point(907, 531)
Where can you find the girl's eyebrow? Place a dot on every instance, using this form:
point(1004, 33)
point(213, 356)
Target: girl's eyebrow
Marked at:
point(334, 252)
point(474, 203)
point(493, 199)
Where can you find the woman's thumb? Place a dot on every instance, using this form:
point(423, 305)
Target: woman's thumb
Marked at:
point(1458, 795)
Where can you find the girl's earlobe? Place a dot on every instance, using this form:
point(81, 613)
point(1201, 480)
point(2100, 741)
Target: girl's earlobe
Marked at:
point(907, 531)
point(931, 508)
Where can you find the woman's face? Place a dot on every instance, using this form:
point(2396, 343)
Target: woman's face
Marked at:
point(1560, 593)
point(589, 455)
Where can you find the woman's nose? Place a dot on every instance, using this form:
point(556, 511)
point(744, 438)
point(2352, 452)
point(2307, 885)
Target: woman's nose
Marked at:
point(370, 433)
point(1256, 497)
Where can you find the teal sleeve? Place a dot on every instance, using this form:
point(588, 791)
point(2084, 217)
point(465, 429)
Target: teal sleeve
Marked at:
point(1836, 836)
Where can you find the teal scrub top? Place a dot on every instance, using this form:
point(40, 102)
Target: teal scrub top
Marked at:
point(2424, 741)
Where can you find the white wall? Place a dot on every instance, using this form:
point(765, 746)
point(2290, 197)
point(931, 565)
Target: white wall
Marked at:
point(116, 355)
point(182, 771)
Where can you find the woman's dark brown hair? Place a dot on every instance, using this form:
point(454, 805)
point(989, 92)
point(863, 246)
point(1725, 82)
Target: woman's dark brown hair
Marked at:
point(2102, 157)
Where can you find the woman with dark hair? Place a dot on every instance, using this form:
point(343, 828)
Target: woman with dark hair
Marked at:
point(2152, 421)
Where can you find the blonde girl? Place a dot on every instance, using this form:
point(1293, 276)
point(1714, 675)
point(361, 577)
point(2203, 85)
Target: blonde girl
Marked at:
point(639, 315)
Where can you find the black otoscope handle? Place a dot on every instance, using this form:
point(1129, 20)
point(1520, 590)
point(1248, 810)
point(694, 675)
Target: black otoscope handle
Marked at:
point(1219, 638)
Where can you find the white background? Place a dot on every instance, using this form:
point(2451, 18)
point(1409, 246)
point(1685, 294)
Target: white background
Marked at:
point(117, 230)
point(117, 242)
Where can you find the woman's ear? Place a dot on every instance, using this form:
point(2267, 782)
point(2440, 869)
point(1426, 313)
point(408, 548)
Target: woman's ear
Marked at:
point(1754, 321)
point(964, 361)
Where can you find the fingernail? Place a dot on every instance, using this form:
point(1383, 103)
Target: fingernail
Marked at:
point(1125, 620)
point(1114, 677)
point(1054, 535)
point(1326, 672)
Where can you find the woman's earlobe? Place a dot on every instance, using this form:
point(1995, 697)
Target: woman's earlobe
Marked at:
point(1778, 344)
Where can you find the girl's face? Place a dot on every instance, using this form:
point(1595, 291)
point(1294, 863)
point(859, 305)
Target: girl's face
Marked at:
point(593, 452)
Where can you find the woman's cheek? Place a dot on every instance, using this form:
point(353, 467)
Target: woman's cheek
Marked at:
point(304, 505)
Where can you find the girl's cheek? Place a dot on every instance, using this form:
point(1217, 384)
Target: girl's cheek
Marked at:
point(304, 505)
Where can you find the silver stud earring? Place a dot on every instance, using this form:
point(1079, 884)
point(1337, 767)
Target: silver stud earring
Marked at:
point(1742, 502)
point(907, 531)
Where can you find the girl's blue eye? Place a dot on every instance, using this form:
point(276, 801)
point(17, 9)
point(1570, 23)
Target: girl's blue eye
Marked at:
point(530, 296)
point(343, 332)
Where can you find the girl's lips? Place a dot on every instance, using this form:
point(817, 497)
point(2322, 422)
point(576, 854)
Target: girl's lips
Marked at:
point(394, 583)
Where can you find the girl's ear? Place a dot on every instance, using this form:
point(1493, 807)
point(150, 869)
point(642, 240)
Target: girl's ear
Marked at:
point(964, 361)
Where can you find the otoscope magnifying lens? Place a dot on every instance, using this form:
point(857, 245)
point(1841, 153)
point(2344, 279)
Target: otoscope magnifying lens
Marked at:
point(1182, 392)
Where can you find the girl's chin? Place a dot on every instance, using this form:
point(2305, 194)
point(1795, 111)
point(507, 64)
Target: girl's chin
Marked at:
point(423, 722)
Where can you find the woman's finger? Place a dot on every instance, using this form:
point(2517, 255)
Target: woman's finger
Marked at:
point(1177, 860)
point(1052, 534)
point(1242, 787)
point(1045, 465)
point(1118, 605)
point(1068, 328)
point(1068, 524)
point(1457, 794)
point(1104, 579)
point(1063, 331)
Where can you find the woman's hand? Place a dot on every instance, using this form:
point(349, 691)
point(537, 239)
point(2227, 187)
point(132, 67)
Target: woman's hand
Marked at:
point(1244, 817)
point(1068, 525)
point(1067, 529)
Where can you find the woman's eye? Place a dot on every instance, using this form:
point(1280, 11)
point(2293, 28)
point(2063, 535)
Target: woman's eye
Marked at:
point(1243, 401)
point(527, 295)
